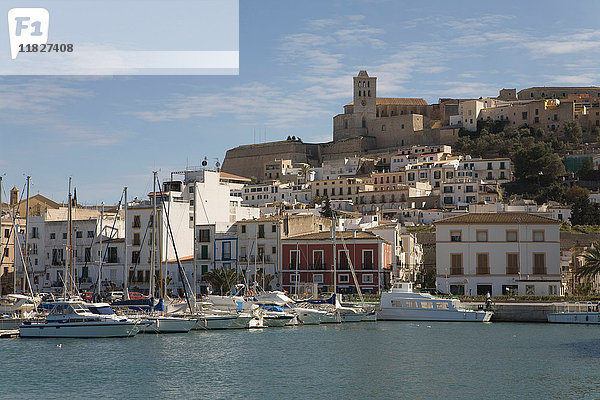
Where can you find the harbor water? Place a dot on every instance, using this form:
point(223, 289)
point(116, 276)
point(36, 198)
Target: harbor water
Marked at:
point(382, 360)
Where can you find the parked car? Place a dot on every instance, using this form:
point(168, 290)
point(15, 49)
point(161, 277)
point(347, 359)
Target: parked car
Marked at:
point(114, 296)
point(137, 296)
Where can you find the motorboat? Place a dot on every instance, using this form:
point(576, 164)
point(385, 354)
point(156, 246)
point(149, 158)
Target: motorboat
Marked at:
point(168, 324)
point(301, 315)
point(576, 313)
point(72, 319)
point(401, 303)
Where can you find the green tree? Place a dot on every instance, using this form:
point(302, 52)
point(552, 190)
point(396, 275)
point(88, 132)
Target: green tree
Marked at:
point(537, 163)
point(574, 193)
point(221, 279)
point(592, 261)
point(572, 132)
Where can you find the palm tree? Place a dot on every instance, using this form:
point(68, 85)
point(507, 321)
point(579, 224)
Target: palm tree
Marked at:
point(305, 170)
point(222, 280)
point(592, 261)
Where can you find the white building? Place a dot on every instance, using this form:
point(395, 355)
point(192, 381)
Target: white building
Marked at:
point(488, 169)
point(498, 253)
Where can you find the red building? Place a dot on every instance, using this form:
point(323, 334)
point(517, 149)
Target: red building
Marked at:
point(309, 259)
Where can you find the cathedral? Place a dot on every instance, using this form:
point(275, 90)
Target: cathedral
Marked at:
point(392, 122)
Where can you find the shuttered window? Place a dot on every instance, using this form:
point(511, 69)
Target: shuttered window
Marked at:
point(483, 264)
point(539, 263)
point(512, 263)
point(456, 264)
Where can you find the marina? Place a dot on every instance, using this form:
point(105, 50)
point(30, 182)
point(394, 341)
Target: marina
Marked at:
point(386, 360)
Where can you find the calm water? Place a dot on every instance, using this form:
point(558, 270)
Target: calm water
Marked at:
point(367, 360)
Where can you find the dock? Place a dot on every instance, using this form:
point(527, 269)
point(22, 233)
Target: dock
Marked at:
point(9, 333)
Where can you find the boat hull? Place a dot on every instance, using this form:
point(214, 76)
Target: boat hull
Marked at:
point(353, 317)
point(331, 318)
point(169, 325)
point(575, 318)
point(79, 330)
point(386, 314)
point(309, 317)
point(215, 322)
point(277, 321)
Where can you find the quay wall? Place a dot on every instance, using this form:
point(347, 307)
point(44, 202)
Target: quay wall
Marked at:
point(519, 312)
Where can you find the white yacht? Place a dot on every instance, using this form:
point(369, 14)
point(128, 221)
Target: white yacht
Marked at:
point(576, 313)
point(72, 319)
point(402, 304)
point(168, 324)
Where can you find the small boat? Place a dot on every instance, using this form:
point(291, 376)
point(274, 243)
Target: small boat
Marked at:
point(276, 316)
point(167, 324)
point(72, 319)
point(400, 303)
point(576, 313)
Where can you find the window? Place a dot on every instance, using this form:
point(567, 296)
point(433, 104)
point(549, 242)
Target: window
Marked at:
point(64, 235)
point(458, 290)
point(294, 277)
point(427, 304)
point(273, 228)
point(343, 278)
point(318, 259)
point(136, 221)
point(441, 305)
point(538, 236)
point(512, 236)
point(342, 259)
point(204, 252)
point(483, 264)
point(204, 235)
point(6, 233)
point(88, 254)
point(524, 115)
point(35, 233)
point(456, 264)
point(135, 257)
point(512, 263)
point(226, 251)
point(456, 236)
point(318, 278)
point(482, 236)
point(136, 239)
point(367, 278)
point(78, 234)
point(539, 263)
point(294, 259)
point(90, 234)
point(261, 231)
point(52, 235)
point(367, 259)
point(396, 303)
point(243, 228)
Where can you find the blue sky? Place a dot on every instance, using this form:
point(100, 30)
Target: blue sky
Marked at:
point(297, 60)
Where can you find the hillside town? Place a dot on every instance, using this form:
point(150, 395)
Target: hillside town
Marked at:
point(439, 195)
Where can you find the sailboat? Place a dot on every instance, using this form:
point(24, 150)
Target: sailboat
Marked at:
point(71, 318)
point(163, 323)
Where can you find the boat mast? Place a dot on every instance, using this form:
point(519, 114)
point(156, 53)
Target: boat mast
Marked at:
point(297, 274)
point(334, 256)
point(125, 268)
point(194, 247)
point(101, 252)
point(70, 235)
point(153, 248)
point(26, 237)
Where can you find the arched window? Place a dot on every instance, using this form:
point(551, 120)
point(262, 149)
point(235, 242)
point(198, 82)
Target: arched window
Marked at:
point(364, 123)
point(368, 84)
point(369, 93)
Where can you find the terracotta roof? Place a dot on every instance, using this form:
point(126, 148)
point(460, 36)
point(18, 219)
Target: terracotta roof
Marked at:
point(497, 218)
point(397, 101)
point(360, 235)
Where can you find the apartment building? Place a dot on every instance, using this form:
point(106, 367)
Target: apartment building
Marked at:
point(341, 189)
point(498, 253)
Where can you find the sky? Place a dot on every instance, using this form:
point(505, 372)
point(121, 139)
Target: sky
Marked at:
point(297, 60)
